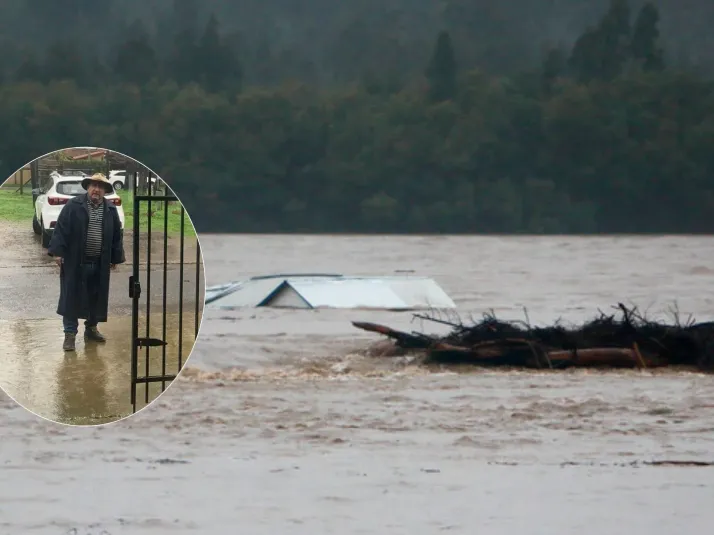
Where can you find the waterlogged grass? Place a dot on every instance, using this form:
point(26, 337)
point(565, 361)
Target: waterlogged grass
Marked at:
point(14, 206)
point(18, 207)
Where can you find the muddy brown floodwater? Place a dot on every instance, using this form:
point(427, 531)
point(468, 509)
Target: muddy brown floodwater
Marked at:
point(92, 385)
point(282, 424)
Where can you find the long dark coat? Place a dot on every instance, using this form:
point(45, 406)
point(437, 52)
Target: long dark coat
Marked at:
point(68, 241)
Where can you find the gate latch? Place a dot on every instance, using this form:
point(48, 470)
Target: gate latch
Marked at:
point(134, 288)
point(149, 342)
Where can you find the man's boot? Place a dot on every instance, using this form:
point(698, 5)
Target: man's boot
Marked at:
point(92, 334)
point(69, 341)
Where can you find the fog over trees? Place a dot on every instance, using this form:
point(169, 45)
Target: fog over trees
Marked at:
point(390, 116)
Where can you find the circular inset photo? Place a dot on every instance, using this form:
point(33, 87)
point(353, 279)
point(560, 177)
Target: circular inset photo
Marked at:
point(101, 286)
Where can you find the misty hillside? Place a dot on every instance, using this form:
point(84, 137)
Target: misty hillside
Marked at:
point(325, 42)
point(461, 116)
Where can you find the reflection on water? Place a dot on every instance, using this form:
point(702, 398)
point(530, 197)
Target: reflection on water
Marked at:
point(93, 384)
point(82, 388)
point(164, 360)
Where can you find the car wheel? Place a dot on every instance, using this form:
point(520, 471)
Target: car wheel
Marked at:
point(36, 228)
point(118, 185)
point(46, 236)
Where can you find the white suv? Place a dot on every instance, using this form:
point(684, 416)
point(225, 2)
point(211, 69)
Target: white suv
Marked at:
point(118, 179)
point(51, 197)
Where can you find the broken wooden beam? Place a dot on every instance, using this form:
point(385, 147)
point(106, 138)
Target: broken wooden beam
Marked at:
point(404, 340)
point(611, 357)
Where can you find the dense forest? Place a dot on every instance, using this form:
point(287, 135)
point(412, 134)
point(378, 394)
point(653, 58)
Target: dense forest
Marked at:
point(461, 116)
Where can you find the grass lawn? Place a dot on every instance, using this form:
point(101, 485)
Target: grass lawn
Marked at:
point(157, 217)
point(17, 207)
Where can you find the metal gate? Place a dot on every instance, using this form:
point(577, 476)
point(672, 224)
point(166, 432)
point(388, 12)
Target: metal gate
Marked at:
point(157, 355)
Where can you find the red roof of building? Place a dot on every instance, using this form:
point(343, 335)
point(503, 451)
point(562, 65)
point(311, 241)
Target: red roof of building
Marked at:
point(84, 154)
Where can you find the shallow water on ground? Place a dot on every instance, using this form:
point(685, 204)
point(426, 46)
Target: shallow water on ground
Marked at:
point(91, 385)
point(281, 422)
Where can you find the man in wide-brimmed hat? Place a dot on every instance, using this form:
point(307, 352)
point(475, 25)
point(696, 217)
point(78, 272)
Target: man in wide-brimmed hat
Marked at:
point(86, 243)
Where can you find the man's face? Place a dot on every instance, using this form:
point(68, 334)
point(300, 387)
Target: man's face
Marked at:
point(95, 191)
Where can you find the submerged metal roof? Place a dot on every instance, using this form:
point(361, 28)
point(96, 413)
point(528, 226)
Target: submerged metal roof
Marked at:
point(330, 291)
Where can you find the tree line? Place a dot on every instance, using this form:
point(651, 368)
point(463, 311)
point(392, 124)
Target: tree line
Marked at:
point(603, 136)
point(319, 42)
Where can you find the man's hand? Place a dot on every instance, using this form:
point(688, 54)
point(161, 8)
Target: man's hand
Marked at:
point(58, 260)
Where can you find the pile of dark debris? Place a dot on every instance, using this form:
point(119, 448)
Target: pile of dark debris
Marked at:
point(624, 339)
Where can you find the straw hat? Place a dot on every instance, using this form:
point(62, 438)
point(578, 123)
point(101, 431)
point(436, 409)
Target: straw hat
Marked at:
point(98, 177)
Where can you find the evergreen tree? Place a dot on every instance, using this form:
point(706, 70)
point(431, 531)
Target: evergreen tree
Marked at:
point(441, 71)
point(219, 67)
point(645, 38)
point(135, 59)
point(603, 52)
point(614, 38)
point(585, 62)
point(183, 56)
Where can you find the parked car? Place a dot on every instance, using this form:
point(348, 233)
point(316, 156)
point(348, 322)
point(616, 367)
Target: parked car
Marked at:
point(118, 179)
point(51, 197)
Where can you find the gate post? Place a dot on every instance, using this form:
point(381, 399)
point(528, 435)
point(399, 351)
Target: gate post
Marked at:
point(144, 204)
point(134, 293)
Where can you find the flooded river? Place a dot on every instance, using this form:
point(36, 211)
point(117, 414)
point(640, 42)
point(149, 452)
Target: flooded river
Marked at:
point(282, 424)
